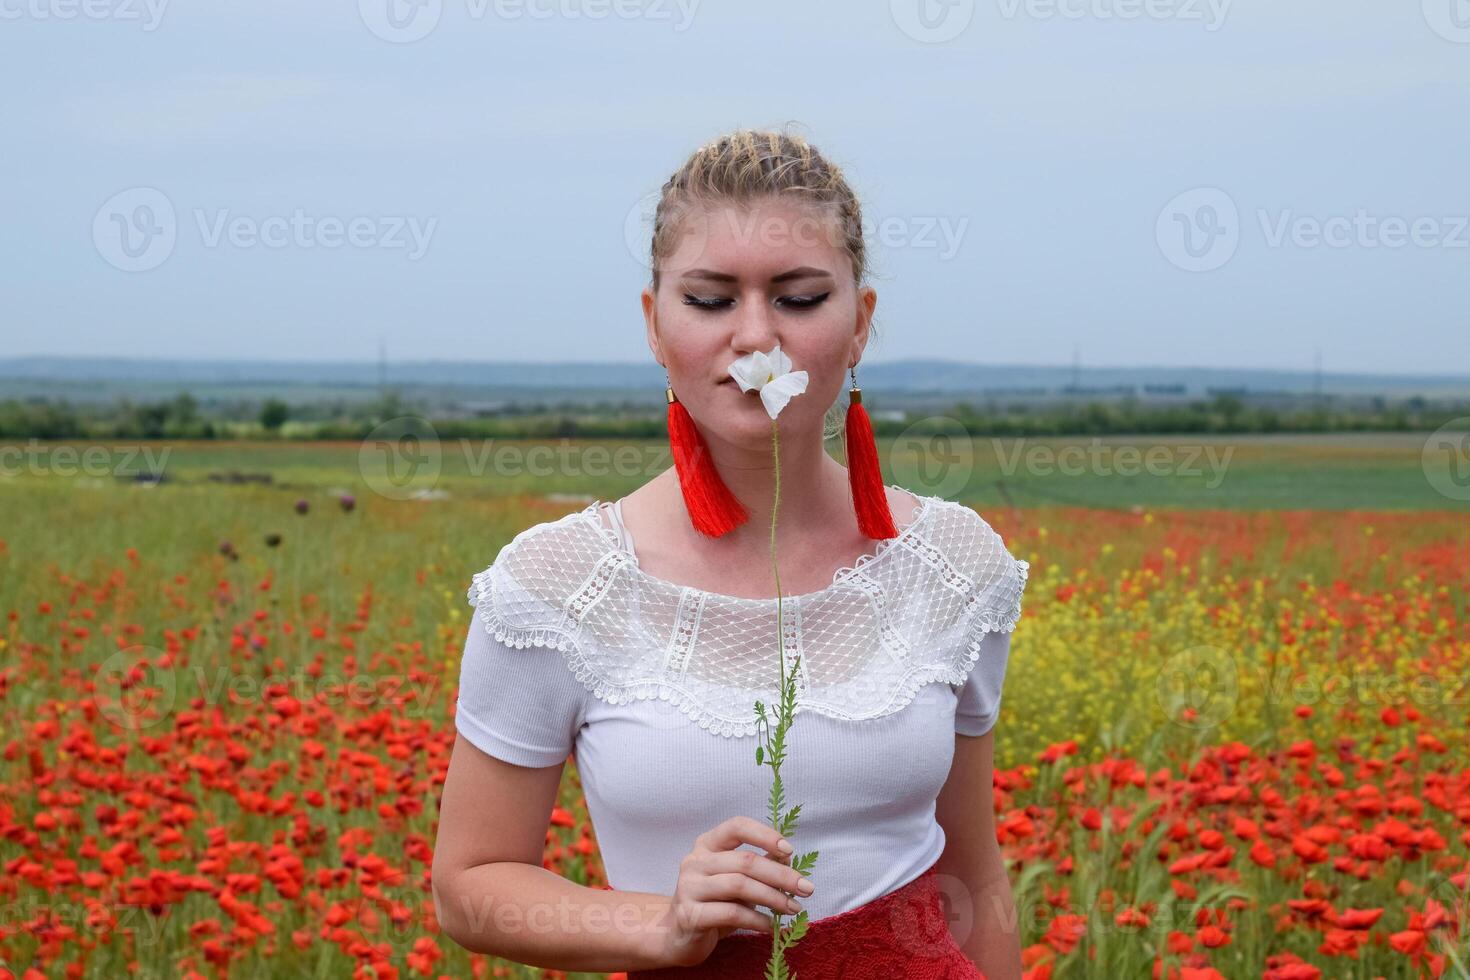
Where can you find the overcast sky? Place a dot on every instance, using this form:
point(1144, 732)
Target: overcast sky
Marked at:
point(1161, 182)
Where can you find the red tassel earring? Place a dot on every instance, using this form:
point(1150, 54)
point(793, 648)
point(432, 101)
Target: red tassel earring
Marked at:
point(712, 507)
point(869, 495)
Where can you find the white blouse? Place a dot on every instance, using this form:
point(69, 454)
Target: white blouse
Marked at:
point(574, 648)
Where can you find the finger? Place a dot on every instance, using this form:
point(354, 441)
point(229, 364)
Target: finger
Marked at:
point(731, 833)
point(743, 876)
point(794, 883)
point(723, 878)
point(776, 873)
point(726, 917)
point(739, 887)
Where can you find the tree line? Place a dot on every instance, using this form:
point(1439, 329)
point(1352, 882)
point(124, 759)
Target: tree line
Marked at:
point(181, 417)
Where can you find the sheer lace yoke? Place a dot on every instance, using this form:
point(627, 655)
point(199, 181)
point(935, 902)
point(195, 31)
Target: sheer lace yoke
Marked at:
point(910, 613)
point(619, 537)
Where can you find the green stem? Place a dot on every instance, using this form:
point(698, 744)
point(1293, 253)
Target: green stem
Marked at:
point(775, 568)
point(781, 652)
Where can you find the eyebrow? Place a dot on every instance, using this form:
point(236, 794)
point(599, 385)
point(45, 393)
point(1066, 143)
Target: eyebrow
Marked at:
point(800, 272)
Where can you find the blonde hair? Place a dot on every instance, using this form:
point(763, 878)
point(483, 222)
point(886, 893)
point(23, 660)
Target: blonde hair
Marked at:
point(745, 165)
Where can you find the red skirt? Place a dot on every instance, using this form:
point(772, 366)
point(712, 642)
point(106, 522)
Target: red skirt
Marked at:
point(903, 934)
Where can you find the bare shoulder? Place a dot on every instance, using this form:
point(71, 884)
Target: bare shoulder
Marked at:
point(904, 505)
point(654, 494)
point(660, 495)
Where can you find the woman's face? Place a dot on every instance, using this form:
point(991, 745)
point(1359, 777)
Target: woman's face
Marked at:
point(742, 280)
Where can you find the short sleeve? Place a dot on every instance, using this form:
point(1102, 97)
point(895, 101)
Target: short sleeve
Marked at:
point(522, 705)
point(978, 707)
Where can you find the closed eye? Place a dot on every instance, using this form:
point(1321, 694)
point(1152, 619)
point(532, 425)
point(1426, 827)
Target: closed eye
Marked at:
point(723, 302)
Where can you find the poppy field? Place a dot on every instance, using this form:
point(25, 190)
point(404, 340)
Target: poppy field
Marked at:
point(1233, 742)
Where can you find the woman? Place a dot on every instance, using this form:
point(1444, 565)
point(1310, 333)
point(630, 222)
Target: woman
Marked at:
point(626, 634)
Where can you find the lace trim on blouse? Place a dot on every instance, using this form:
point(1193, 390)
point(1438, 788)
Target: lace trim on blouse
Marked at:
point(911, 613)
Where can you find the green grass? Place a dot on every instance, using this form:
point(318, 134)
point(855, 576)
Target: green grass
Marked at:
point(1378, 471)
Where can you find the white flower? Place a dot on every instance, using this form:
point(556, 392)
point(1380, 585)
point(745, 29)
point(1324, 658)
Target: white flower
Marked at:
point(771, 375)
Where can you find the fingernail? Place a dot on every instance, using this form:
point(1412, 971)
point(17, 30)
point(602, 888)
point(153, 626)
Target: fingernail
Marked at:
point(783, 845)
point(795, 905)
point(805, 887)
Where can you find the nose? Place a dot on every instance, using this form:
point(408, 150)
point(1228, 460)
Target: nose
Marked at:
point(754, 327)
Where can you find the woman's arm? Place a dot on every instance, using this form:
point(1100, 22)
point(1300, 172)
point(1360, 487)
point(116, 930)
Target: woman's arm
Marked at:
point(492, 894)
point(990, 933)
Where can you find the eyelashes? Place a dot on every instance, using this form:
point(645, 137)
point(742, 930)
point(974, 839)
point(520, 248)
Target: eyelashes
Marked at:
point(723, 302)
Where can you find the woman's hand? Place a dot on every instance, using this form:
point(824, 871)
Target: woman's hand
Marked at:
point(720, 885)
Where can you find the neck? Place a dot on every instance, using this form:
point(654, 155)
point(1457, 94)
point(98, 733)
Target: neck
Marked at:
point(813, 484)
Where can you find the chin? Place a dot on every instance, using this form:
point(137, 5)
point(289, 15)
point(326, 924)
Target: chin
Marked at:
point(750, 428)
point(739, 424)
point(750, 433)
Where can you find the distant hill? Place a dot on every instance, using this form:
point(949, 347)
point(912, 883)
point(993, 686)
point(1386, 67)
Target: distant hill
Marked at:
point(86, 379)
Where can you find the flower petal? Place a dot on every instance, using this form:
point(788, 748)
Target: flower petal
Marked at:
point(780, 363)
point(776, 393)
point(750, 371)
